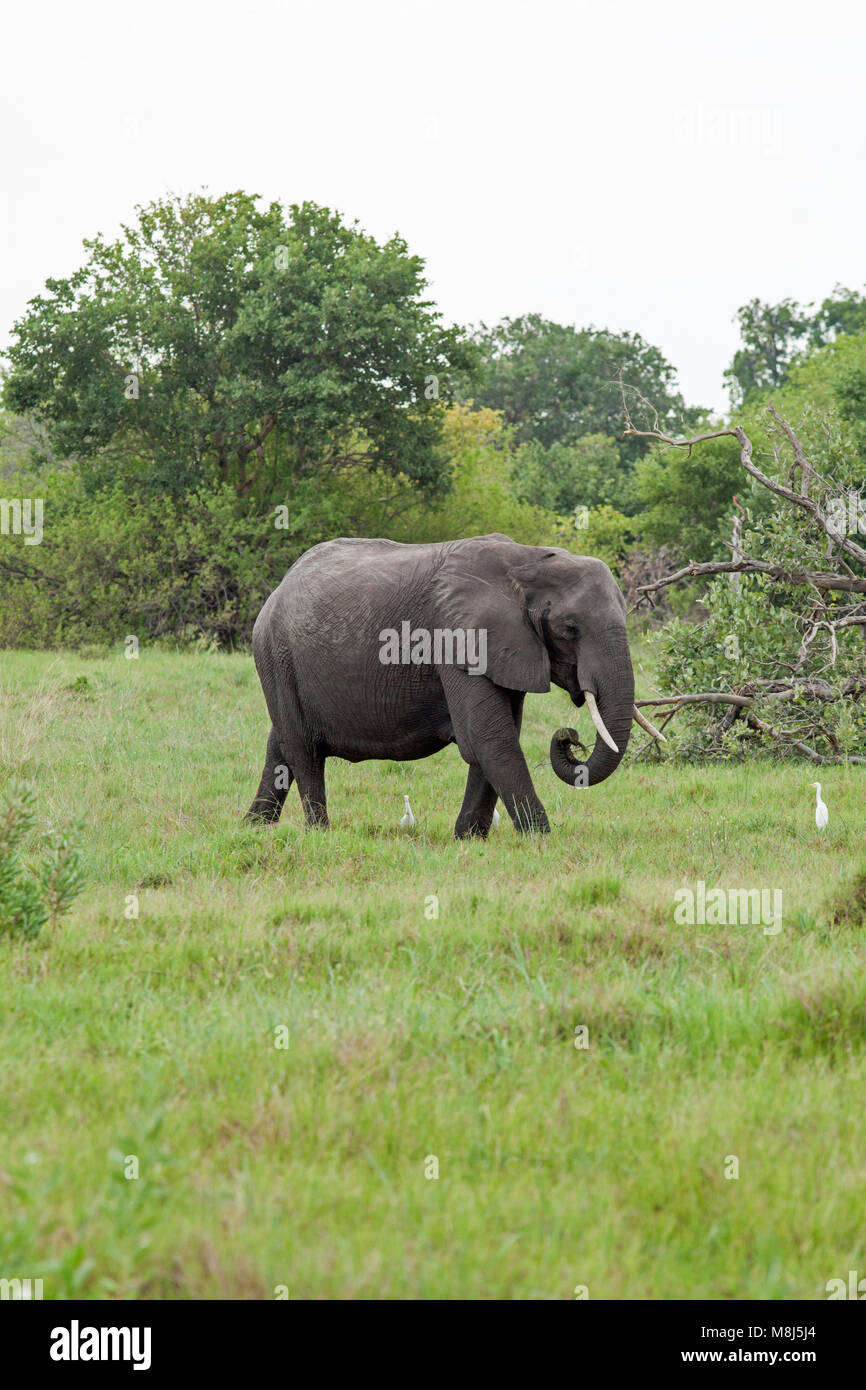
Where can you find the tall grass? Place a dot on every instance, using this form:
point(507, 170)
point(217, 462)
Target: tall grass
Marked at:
point(284, 1038)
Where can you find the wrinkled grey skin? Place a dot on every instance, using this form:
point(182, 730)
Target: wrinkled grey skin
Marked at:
point(549, 616)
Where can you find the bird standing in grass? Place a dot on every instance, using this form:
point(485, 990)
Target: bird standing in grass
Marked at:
point(822, 815)
point(495, 821)
point(407, 820)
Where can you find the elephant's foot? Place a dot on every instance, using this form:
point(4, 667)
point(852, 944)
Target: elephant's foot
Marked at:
point(471, 828)
point(536, 827)
point(263, 812)
point(526, 822)
point(530, 820)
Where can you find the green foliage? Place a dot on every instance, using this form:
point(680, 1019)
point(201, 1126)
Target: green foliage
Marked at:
point(686, 496)
point(30, 899)
point(215, 341)
point(818, 381)
point(60, 875)
point(604, 532)
point(775, 337)
point(556, 384)
point(589, 473)
point(22, 912)
point(109, 567)
point(198, 567)
point(842, 312)
point(850, 362)
point(481, 498)
point(771, 334)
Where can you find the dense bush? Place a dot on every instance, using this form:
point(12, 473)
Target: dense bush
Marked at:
point(114, 563)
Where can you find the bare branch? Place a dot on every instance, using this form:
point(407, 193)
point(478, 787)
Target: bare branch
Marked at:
point(800, 460)
point(797, 499)
point(706, 697)
point(801, 747)
point(748, 565)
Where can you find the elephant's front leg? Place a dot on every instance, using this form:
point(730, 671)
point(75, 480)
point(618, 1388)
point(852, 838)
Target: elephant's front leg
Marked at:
point(479, 801)
point(486, 732)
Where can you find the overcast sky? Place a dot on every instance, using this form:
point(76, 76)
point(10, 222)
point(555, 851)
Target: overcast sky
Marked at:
point(643, 166)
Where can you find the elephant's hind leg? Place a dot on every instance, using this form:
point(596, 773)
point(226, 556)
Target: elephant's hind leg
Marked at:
point(309, 772)
point(274, 786)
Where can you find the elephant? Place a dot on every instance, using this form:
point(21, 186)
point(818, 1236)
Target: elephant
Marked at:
point(378, 649)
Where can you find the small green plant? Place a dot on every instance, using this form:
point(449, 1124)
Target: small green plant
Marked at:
point(80, 686)
point(39, 892)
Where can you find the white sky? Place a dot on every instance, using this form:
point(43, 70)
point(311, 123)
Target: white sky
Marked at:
point(644, 166)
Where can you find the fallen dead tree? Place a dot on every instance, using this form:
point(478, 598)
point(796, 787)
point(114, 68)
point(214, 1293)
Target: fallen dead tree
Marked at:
point(783, 647)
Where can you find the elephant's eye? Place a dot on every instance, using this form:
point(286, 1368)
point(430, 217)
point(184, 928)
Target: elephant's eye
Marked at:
point(570, 629)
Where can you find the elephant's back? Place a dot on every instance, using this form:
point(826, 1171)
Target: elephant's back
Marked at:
point(346, 587)
point(347, 557)
point(322, 629)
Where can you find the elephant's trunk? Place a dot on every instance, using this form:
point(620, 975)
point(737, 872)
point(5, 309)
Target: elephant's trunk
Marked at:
point(607, 675)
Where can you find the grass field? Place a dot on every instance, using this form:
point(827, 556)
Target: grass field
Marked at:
point(303, 1167)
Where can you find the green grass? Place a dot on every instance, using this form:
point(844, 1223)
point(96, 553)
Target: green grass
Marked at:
point(411, 1037)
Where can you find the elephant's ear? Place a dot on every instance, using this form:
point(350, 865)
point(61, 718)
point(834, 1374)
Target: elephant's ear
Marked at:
point(480, 587)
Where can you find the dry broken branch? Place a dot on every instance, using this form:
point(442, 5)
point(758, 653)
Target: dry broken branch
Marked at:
point(744, 710)
point(819, 579)
point(797, 499)
point(742, 703)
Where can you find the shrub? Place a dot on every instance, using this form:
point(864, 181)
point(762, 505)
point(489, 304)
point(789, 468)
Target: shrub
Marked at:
point(40, 893)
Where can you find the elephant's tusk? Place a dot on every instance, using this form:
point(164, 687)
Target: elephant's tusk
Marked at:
point(650, 728)
point(598, 721)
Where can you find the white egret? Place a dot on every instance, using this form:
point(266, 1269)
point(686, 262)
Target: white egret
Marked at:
point(495, 821)
point(407, 820)
point(822, 815)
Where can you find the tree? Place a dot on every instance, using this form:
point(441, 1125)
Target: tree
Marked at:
point(842, 312)
point(686, 497)
point(556, 383)
point(589, 473)
point(772, 335)
point(196, 568)
point(481, 499)
point(775, 337)
point(219, 341)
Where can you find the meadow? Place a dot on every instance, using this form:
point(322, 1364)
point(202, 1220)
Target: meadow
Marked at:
point(290, 1045)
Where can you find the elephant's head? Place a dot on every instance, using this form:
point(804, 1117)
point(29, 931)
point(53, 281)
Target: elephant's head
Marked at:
point(549, 616)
